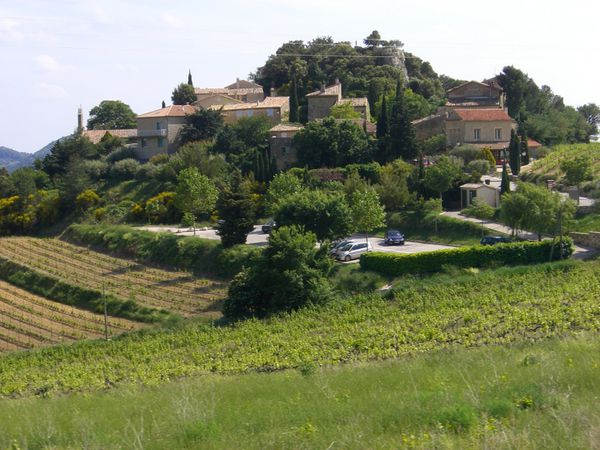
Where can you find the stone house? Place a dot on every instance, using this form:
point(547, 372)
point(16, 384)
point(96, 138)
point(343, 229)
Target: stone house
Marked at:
point(280, 140)
point(242, 90)
point(321, 101)
point(474, 94)
point(157, 131)
point(276, 108)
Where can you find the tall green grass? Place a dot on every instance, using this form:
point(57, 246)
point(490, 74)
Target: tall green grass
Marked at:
point(540, 396)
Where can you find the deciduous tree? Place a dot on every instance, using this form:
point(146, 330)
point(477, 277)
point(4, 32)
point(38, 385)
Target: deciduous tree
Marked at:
point(183, 94)
point(195, 194)
point(111, 115)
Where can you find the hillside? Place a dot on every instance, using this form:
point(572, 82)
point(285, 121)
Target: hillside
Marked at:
point(550, 166)
point(12, 159)
point(443, 312)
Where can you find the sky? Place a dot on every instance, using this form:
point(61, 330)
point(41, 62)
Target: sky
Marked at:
point(56, 55)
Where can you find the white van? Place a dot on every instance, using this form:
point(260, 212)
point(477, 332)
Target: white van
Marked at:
point(352, 250)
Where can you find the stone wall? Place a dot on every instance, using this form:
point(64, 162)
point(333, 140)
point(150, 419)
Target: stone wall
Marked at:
point(591, 239)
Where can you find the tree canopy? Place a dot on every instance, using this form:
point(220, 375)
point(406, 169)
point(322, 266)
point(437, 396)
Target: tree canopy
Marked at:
point(111, 115)
point(183, 94)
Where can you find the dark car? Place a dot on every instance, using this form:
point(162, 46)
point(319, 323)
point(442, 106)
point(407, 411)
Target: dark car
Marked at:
point(493, 240)
point(394, 237)
point(268, 227)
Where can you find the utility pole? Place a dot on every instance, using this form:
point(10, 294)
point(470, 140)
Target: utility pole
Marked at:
point(105, 314)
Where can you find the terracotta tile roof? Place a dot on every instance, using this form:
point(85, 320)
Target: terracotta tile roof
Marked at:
point(362, 101)
point(268, 102)
point(170, 111)
point(96, 135)
point(479, 115)
point(233, 100)
point(333, 90)
point(282, 127)
point(487, 85)
point(244, 84)
point(228, 91)
point(532, 143)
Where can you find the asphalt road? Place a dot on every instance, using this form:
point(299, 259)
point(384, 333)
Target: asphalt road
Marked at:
point(257, 237)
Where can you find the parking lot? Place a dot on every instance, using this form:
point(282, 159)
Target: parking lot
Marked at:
point(257, 237)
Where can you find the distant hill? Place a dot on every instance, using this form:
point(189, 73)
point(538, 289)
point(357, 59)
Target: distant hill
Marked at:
point(13, 159)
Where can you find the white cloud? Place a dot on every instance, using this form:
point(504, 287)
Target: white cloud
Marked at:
point(99, 14)
point(50, 64)
point(171, 20)
point(9, 30)
point(51, 90)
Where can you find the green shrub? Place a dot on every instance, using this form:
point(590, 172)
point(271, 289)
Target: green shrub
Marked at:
point(124, 169)
point(516, 253)
point(186, 253)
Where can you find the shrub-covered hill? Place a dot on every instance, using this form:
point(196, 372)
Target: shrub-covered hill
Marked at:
point(440, 312)
point(552, 166)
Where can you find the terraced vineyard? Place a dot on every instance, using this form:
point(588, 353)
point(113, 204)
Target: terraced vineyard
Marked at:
point(177, 292)
point(28, 321)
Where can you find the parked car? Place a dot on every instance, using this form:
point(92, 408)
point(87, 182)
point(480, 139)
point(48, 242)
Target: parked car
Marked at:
point(352, 250)
point(493, 240)
point(335, 246)
point(268, 227)
point(394, 237)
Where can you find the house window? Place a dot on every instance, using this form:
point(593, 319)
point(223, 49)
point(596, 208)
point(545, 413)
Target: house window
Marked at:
point(158, 125)
point(476, 134)
point(284, 151)
point(270, 112)
point(143, 142)
point(250, 113)
point(161, 142)
point(498, 134)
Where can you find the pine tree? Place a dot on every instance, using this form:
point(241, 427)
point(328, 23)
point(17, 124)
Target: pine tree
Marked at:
point(402, 133)
point(514, 153)
point(505, 184)
point(383, 121)
point(190, 78)
point(294, 101)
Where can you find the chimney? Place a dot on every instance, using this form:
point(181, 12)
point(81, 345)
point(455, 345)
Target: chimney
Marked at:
point(237, 83)
point(337, 80)
point(487, 181)
point(272, 93)
point(322, 87)
point(79, 120)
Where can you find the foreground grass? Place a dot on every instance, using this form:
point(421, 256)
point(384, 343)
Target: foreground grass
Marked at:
point(521, 396)
point(494, 307)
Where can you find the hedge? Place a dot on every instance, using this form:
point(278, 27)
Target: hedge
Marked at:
point(88, 299)
point(517, 253)
point(201, 256)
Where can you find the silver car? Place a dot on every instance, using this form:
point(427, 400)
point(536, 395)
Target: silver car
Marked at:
point(352, 250)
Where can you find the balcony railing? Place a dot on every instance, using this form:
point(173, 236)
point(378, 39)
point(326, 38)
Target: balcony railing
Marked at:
point(152, 133)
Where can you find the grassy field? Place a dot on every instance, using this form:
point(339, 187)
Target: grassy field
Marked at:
point(29, 321)
point(459, 310)
point(527, 396)
point(177, 292)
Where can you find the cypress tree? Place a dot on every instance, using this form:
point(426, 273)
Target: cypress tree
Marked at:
point(383, 121)
point(190, 78)
point(524, 146)
point(163, 104)
point(294, 101)
point(514, 153)
point(505, 184)
point(402, 133)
